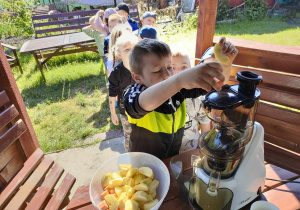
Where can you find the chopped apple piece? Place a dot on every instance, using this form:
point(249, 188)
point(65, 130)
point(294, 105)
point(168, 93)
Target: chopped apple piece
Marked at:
point(151, 204)
point(146, 171)
point(140, 196)
point(153, 186)
point(146, 181)
point(141, 187)
point(222, 58)
point(105, 179)
point(132, 172)
point(138, 178)
point(125, 167)
point(131, 205)
point(112, 202)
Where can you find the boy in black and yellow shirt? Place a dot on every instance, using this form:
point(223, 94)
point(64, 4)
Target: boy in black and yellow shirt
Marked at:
point(155, 105)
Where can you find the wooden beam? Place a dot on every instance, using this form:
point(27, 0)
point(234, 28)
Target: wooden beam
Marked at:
point(28, 140)
point(206, 25)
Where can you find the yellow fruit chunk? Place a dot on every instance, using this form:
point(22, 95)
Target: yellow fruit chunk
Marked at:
point(115, 175)
point(153, 186)
point(151, 204)
point(125, 167)
point(149, 198)
point(141, 187)
point(153, 194)
point(146, 181)
point(119, 190)
point(130, 192)
point(138, 178)
point(222, 58)
point(112, 202)
point(122, 201)
point(132, 172)
point(122, 173)
point(115, 183)
point(106, 179)
point(146, 171)
point(131, 205)
point(140, 196)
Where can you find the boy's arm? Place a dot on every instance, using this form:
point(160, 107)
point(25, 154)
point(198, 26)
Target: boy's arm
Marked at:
point(113, 92)
point(200, 76)
point(112, 107)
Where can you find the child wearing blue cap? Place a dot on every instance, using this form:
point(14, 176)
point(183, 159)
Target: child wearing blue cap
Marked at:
point(148, 32)
point(148, 18)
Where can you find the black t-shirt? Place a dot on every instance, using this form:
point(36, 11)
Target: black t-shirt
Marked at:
point(119, 79)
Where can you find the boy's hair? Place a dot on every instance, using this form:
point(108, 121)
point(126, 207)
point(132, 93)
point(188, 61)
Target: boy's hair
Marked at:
point(177, 52)
point(142, 49)
point(115, 17)
point(117, 31)
point(125, 38)
point(92, 20)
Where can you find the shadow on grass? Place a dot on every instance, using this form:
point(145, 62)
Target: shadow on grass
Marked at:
point(99, 118)
point(60, 91)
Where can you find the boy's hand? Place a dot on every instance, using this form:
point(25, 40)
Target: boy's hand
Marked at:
point(202, 76)
point(115, 119)
point(227, 48)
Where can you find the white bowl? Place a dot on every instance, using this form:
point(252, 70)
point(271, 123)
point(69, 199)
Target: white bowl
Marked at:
point(137, 159)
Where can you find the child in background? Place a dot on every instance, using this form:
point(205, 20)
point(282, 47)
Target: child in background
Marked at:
point(113, 60)
point(194, 112)
point(113, 20)
point(94, 33)
point(155, 104)
point(123, 10)
point(148, 32)
point(119, 79)
point(148, 18)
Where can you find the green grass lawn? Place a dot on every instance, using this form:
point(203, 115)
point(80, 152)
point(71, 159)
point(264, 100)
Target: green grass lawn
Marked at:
point(73, 103)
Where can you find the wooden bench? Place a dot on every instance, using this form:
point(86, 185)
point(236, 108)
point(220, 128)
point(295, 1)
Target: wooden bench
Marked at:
point(28, 179)
point(279, 108)
point(13, 60)
point(134, 12)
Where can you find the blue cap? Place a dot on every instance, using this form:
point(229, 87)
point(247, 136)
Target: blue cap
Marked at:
point(149, 14)
point(149, 32)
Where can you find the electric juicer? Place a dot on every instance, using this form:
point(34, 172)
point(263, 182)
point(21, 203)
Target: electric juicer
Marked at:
point(230, 171)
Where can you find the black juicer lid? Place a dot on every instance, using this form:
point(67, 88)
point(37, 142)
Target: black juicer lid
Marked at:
point(232, 96)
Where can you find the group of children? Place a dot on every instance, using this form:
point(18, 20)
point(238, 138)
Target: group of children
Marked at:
point(159, 95)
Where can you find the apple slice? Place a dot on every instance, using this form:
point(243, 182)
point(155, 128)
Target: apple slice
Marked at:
point(222, 58)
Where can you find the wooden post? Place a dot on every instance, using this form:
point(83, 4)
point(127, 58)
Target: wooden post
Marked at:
point(206, 26)
point(28, 140)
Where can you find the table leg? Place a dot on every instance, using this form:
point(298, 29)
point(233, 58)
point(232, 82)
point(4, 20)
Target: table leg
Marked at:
point(39, 65)
point(43, 59)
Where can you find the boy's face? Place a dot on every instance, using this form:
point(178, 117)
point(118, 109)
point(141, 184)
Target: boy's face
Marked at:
point(180, 63)
point(112, 24)
point(148, 21)
point(155, 70)
point(124, 14)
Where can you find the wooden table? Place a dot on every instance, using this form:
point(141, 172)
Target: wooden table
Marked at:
point(285, 196)
point(57, 44)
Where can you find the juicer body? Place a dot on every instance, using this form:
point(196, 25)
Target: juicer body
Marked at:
point(241, 188)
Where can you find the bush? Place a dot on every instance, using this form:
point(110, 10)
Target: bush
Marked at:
point(223, 10)
point(20, 24)
point(255, 9)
